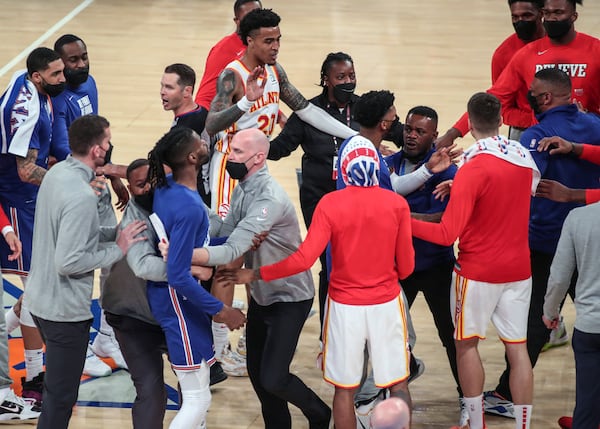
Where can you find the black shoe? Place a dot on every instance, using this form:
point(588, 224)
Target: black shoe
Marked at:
point(217, 374)
point(32, 391)
point(417, 368)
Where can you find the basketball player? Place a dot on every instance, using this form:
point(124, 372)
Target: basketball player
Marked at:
point(27, 118)
point(488, 212)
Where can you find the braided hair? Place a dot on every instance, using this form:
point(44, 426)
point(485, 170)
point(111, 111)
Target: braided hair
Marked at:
point(170, 150)
point(332, 57)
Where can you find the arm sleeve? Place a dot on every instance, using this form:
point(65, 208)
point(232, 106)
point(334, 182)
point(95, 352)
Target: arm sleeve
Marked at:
point(496, 66)
point(319, 234)
point(462, 125)
point(179, 274)
point(5, 226)
point(240, 239)
point(288, 139)
point(458, 212)
point(71, 257)
point(563, 266)
point(592, 196)
point(59, 145)
point(408, 183)
point(405, 253)
point(506, 88)
point(322, 121)
point(141, 257)
point(591, 153)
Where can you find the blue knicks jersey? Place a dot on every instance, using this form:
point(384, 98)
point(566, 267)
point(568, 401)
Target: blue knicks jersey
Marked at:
point(13, 191)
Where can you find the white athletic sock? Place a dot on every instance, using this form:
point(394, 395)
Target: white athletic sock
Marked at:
point(34, 363)
point(220, 338)
point(12, 320)
point(522, 416)
point(4, 393)
point(475, 409)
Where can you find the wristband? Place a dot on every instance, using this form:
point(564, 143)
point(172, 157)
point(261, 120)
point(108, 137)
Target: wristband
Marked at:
point(244, 104)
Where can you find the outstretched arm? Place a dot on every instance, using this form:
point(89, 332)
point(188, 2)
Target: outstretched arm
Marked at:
point(308, 112)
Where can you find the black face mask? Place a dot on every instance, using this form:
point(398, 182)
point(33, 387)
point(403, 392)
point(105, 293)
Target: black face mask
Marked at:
point(343, 92)
point(76, 77)
point(145, 201)
point(533, 103)
point(525, 29)
point(53, 90)
point(108, 154)
point(557, 29)
point(237, 170)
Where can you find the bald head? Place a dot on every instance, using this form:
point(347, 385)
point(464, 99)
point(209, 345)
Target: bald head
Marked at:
point(249, 147)
point(393, 413)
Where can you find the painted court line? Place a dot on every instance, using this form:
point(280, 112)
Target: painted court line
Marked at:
point(16, 60)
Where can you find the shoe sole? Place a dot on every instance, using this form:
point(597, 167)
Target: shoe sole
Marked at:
point(499, 410)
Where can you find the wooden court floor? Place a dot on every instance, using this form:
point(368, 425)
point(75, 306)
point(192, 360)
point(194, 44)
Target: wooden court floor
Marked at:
point(433, 52)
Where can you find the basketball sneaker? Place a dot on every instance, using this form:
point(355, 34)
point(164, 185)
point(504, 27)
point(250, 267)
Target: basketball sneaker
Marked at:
point(565, 422)
point(494, 403)
point(417, 368)
point(217, 374)
point(241, 345)
point(233, 363)
point(14, 408)
point(364, 409)
point(93, 366)
point(558, 337)
point(32, 391)
point(105, 345)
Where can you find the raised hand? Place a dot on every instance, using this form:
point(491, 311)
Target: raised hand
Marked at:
point(254, 88)
point(128, 236)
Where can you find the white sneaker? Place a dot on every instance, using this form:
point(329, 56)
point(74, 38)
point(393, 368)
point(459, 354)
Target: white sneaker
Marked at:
point(364, 410)
point(241, 345)
point(233, 363)
point(14, 408)
point(558, 337)
point(107, 346)
point(94, 367)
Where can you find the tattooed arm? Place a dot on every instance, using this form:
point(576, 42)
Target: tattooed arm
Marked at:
point(308, 112)
point(28, 170)
point(230, 89)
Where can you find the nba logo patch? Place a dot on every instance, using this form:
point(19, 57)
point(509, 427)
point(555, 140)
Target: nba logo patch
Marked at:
point(263, 214)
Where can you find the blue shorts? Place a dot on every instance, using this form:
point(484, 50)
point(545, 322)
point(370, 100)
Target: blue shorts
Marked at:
point(187, 328)
point(21, 220)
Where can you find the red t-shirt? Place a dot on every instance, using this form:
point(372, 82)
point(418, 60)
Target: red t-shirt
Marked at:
point(580, 59)
point(371, 245)
point(488, 212)
point(229, 48)
point(3, 220)
point(504, 53)
point(591, 153)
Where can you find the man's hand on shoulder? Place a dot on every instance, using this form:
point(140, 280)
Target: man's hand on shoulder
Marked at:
point(129, 235)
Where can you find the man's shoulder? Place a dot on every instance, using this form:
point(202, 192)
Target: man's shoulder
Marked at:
point(511, 43)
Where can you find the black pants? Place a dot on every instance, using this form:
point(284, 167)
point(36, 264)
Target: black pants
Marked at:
point(271, 338)
point(587, 387)
point(435, 283)
point(537, 333)
point(66, 347)
point(143, 345)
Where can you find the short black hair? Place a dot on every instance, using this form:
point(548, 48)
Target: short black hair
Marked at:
point(555, 77)
point(372, 106)
point(239, 3)
point(485, 112)
point(39, 59)
point(255, 20)
point(425, 111)
point(134, 165)
point(537, 3)
point(573, 3)
point(330, 59)
point(65, 39)
point(187, 75)
point(86, 132)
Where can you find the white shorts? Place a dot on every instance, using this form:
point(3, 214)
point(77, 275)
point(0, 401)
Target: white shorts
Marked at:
point(475, 303)
point(221, 184)
point(346, 330)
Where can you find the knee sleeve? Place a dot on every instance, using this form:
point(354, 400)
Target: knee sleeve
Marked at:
point(26, 318)
point(196, 398)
